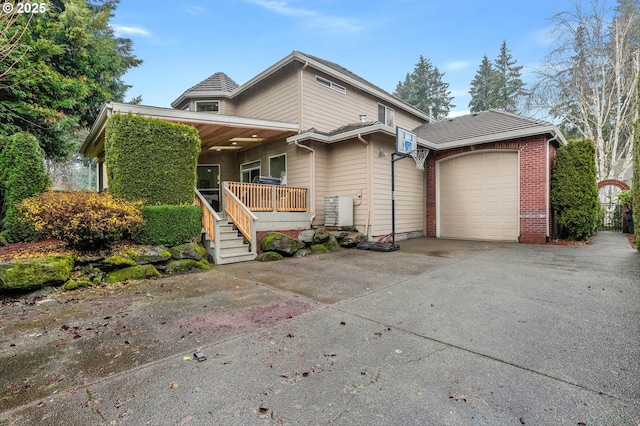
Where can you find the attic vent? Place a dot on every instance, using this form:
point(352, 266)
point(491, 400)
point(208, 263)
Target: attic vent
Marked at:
point(331, 85)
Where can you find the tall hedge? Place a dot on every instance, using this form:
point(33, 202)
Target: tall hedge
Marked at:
point(574, 189)
point(150, 159)
point(636, 174)
point(22, 174)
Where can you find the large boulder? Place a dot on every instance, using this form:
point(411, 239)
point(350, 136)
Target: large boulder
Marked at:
point(306, 236)
point(137, 272)
point(192, 251)
point(321, 235)
point(281, 243)
point(142, 255)
point(31, 274)
point(269, 256)
point(184, 265)
point(352, 240)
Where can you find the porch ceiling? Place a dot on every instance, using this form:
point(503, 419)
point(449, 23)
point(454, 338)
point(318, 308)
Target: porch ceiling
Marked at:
point(217, 132)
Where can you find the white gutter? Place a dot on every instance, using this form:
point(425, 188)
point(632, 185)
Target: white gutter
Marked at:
point(375, 128)
point(312, 186)
point(514, 134)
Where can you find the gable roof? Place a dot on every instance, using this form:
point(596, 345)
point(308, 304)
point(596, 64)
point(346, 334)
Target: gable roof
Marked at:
point(483, 127)
point(216, 85)
point(328, 67)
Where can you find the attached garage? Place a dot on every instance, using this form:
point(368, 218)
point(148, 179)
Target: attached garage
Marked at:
point(477, 196)
point(488, 177)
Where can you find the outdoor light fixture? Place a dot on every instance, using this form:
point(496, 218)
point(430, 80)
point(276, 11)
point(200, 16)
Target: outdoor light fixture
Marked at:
point(363, 118)
point(252, 139)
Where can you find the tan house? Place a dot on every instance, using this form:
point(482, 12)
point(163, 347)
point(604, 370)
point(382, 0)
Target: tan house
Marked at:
point(324, 137)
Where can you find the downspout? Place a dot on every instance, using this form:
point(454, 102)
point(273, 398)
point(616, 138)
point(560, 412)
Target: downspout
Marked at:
point(312, 186)
point(369, 147)
point(548, 186)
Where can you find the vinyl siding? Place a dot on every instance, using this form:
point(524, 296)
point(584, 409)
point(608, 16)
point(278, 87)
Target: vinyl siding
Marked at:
point(326, 109)
point(323, 172)
point(409, 188)
point(275, 98)
point(348, 176)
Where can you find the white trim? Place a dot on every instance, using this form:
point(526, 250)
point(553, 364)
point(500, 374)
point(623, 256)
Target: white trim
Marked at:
point(259, 168)
point(387, 109)
point(213, 101)
point(284, 154)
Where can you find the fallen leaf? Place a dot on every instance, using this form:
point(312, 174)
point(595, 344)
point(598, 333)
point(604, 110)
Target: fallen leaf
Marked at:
point(186, 357)
point(173, 385)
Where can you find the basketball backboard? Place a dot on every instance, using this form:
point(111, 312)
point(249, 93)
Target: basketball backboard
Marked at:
point(406, 142)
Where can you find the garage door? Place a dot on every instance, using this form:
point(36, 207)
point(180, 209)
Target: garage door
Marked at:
point(478, 196)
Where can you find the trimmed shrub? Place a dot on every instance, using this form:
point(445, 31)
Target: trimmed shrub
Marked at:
point(85, 220)
point(636, 174)
point(22, 174)
point(169, 225)
point(574, 189)
point(150, 159)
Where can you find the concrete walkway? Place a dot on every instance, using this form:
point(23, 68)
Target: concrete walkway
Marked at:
point(439, 332)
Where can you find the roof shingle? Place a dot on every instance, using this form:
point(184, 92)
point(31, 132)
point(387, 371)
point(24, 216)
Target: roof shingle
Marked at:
point(485, 124)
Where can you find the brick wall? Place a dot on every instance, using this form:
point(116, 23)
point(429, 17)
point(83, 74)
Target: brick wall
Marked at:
point(535, 209)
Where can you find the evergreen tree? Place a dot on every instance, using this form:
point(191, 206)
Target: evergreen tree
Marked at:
point(483, 85)
point(497, 85)
point(69, 63)
point(424, 88)
point(509, 86)
point(22, 174)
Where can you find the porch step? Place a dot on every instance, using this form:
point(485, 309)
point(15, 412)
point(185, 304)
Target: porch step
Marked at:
point(232, 247)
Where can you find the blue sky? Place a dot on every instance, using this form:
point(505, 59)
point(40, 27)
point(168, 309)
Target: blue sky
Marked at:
point(184, 42)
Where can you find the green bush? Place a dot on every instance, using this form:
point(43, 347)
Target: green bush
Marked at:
point(22, 174)
point(574, 189)
point(150, 159)
point(169, 225)
point(85, 220)
point(636, 174)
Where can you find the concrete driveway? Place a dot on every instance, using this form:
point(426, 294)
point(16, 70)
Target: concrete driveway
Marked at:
point(440, 332)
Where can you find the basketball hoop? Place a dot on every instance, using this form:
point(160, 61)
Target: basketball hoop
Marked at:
point(419, 156)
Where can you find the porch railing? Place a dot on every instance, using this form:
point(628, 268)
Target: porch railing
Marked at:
point(267, 198)
point(209, 216)
point(241, 217)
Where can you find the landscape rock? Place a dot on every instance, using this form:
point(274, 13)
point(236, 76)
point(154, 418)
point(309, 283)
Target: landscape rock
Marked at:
point(332, 244)
point(306, 236)
point(281, 243)
point(351, 241)
point(319, 248)
point(192, 251)
point(303, 253)
point(137, 272)
point(321, 235)
point(183, 265)
point(269, 256)
point(35, 273)
point(142, 255)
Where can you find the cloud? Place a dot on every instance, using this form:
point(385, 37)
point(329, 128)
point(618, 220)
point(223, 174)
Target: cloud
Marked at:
point(312, 18)
point(121, 30)
point(457, 65)
point(197, 11)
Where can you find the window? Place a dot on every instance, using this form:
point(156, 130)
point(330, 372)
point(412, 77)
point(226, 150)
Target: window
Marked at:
point(385, 115)
point(208, 106)
point(330, 84)
point(249, 171)
point(278, 166)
